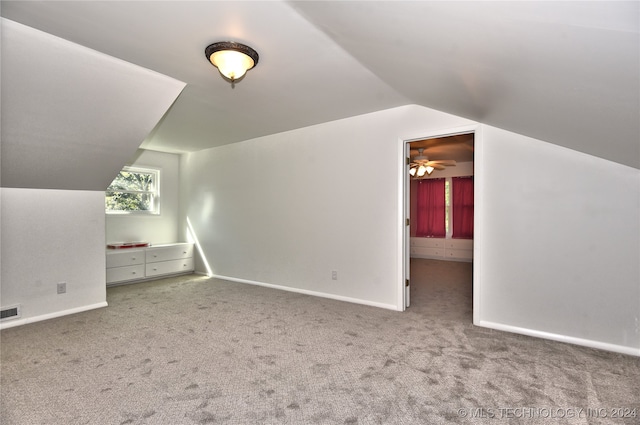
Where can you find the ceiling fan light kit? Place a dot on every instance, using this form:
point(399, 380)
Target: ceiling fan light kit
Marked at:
point(232, 59)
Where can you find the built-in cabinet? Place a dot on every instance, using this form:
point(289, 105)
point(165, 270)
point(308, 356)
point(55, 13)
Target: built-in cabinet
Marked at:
point(134, 264)
point(442, 249)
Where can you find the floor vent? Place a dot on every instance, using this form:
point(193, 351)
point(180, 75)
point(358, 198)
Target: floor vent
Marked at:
point(10, 312)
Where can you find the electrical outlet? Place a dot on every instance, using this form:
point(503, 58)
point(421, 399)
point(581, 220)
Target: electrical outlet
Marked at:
point(62, 287)
point(334, 275)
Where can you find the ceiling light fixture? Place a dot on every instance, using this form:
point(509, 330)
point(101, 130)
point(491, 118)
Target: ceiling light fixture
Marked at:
point(421, 170)
point(232, 59)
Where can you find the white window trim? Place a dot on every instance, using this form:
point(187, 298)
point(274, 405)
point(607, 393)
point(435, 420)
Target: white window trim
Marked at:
point(156, 193)
point(449, 208)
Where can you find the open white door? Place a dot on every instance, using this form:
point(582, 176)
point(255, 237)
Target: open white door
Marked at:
point(407, 227)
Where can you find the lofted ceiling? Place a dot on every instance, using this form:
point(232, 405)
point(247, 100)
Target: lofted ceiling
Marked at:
point(563, 72)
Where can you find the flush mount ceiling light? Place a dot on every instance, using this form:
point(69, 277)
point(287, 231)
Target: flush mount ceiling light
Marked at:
point(232, 59)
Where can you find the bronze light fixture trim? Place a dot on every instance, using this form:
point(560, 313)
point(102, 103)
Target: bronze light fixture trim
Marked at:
point(232, 59)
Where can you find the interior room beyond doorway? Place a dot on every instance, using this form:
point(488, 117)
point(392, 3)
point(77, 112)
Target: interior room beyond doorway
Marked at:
point(441, 225)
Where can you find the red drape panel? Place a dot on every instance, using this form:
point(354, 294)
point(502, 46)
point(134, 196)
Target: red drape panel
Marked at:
point(462, 194)
point(431, 208)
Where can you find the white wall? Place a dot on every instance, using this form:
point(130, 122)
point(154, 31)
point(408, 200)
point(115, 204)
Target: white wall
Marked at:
point(156, 229)
point(557, 237)
point(559, 241)
point(288, 209)
point(51, 236)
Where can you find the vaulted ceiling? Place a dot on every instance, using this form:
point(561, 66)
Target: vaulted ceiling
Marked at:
point(563, 72)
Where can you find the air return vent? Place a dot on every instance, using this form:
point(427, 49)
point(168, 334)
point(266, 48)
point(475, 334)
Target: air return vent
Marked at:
point(8, 313)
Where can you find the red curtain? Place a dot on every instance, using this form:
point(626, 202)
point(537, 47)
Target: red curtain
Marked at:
point(462, 194)
point(431, 209)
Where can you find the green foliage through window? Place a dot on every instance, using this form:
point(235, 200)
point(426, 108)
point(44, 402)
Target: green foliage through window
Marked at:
point(133, 190)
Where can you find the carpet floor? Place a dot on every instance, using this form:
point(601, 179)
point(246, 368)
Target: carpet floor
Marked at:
point(193, 350)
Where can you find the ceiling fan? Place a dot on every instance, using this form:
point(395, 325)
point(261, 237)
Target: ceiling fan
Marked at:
point(420, 164)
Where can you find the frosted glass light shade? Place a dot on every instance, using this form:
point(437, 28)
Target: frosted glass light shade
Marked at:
point(232, 64)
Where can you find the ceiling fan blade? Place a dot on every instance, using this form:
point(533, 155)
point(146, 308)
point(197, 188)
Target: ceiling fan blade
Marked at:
point(445, 162)
point(438, 166)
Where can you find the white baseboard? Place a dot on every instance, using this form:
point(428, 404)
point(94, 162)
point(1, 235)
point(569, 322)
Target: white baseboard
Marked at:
point(308, 292)
point(26, 320)
point(632, 351)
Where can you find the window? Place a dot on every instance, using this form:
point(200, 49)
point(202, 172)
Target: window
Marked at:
point(444, 207)
point(134, 191)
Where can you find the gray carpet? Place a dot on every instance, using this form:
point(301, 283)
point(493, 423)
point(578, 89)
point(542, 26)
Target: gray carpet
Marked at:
point(192, 350)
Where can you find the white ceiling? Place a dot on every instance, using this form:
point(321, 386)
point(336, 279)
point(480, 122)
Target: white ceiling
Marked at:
point(564, 72)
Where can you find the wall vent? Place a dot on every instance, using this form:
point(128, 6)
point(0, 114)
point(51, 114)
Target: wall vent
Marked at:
point(12, 312)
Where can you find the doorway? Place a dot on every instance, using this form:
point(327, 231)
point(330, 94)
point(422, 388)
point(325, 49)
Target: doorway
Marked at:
point(439, 161)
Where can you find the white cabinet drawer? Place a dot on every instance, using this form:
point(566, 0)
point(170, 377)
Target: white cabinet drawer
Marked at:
point(127, 257)
point(426, 252)
point(460, 244)
point(436, 252)
point(120, 274)
point(463, 254)
point(169, 267)
point(435, 243)
point(171, 252)
point(427, 242)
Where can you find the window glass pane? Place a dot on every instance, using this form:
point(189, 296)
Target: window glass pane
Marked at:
point(132, 181)
point(122, 201)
